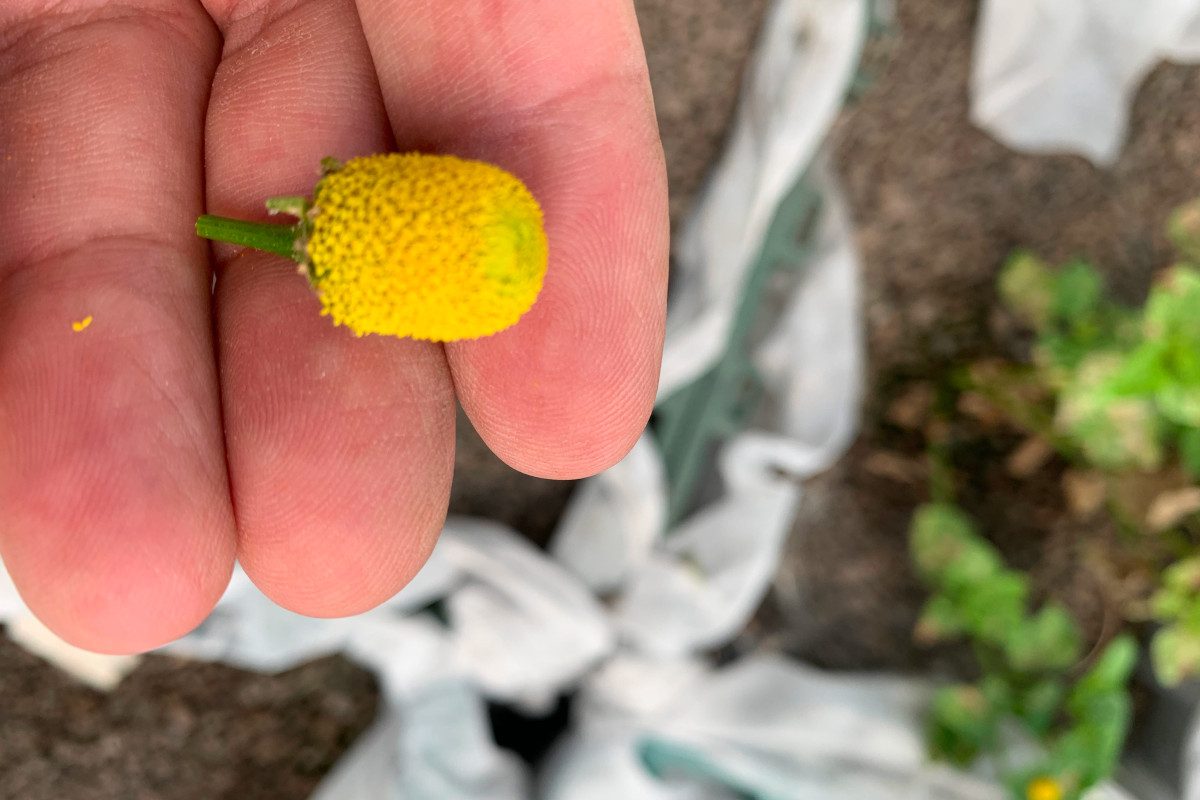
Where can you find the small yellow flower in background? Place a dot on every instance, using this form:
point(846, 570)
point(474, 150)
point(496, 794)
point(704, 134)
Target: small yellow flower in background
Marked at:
point(1044, 788)
point(425, 246)
point(83, 323)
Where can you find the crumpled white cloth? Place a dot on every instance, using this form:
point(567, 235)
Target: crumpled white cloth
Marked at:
point(1053, 76)
point(806, 58)
point(693, 588)
point(519, 627)
point(761, 728)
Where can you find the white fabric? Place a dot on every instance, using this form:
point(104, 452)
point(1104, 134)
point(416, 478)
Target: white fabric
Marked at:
point(1059, 75)
point(763, 728)
point(806, 58)
point(614, 520)
point(697, 586)
point(436, 743)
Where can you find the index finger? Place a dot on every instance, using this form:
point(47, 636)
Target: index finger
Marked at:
point(558, 94)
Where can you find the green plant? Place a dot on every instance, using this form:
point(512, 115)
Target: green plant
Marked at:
point(1175, 649)
point(1115, 391)
point(1126, 382)
point(1124, 386)
point(1029, 661)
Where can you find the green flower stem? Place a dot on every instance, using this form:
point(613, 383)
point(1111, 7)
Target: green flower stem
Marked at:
point(279, 239)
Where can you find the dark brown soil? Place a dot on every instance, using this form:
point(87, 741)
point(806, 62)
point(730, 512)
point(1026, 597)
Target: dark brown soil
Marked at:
point(194, 731)
point(939, 206)
point(484, 486)
point(177, 730)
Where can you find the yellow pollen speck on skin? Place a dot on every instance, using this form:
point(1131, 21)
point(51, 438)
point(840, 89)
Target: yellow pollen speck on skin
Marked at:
point(83, 323)
point(1044, 789)
point(430, 247)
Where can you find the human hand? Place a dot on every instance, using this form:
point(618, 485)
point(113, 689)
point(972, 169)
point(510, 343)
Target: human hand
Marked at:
point(139, 455)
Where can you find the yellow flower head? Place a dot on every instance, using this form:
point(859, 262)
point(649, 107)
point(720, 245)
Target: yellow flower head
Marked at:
point(432, 247)
point(1044, 788)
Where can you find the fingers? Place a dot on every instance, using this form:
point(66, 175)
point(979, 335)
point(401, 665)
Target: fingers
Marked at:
point(115, 519)
point(558, 94)
point(340, 449)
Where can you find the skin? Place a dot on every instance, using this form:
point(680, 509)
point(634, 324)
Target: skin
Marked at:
point(183, 429)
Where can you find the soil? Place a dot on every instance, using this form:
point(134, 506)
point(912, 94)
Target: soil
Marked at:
point(199, 731)
point(176, 729)
point(938, 207)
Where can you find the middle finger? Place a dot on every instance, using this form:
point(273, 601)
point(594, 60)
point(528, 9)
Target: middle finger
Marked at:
point(340, 449)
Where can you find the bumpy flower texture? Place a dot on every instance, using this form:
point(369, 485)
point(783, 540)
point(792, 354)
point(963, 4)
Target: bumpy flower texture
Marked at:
point(430, 247)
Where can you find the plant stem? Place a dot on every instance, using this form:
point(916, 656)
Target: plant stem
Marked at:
point(941, 474)
point(279, 239)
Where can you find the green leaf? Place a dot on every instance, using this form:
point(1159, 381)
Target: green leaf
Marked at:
point(942, 539)
point(1170, 311)
point(1175, 654)
point(1114, 431)
point(1059, 355)
point(1183, 576)
point(1039, 705)
point(1027, 287)
point(1092, 747)
point(1049, 640)
point(1078, 289)
point(1189, 451)
point(1109, 673)
point(999, 694)
point(940, 620)
point(1181, 356)
point(1169, 606)
point(1179, 403)
point(962, 723)
point(1178, 597)
point(978, 569)
point(1138, 374)
point(993, 608)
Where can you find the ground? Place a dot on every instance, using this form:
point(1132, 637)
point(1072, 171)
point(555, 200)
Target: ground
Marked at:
point(176, 730)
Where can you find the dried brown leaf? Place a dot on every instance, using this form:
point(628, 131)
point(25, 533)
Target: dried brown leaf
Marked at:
point(1029, 457)
point(911, 409)
point(894, 466)
point(1085, 493)
point(1170, 508)
point(982, 410)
